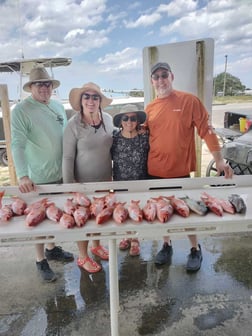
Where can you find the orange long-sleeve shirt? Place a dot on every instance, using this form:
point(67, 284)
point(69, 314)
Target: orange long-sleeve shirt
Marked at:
point(171, 122)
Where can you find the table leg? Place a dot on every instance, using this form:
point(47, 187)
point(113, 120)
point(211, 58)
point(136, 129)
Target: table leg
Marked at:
point(114, 288)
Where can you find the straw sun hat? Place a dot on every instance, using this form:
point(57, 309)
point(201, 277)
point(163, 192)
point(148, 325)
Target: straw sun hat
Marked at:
point(129, 108)
point(76, 93)
point(39, 74)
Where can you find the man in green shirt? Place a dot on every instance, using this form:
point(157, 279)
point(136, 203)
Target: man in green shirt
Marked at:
point(37, 125)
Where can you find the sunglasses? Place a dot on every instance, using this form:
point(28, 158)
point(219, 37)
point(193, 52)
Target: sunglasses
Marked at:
point(41, 84)
point(87, 96)
point(164, 75)
point(132, 118)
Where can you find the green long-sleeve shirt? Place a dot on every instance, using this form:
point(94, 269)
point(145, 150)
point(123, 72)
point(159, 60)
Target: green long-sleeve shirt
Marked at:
point(36, 139)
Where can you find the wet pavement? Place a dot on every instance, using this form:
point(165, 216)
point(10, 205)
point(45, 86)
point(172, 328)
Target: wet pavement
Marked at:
point(166, 300)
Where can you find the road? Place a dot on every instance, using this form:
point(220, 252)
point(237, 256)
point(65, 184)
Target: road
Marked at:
point(218, 112)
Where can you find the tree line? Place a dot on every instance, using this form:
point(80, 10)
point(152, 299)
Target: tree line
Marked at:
point(225, 84)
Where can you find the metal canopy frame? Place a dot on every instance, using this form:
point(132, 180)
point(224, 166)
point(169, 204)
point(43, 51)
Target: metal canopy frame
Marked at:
point(25, 65)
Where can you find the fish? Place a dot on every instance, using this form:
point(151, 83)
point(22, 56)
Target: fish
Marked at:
point(53, 212)
point(97, 205)
point(81, 199)
point(225, 204)
point(6, 213)
point(36, 215)
point(197, 207)
point(120, 212)
point(18, 206)
point(67, 221)
point(104, 215)
point(110, 199)
point(135, 212)
point(164, 209)
point(81, 215)
point(212, 203)
point(150, 210)
point(179, 206)
point(37, 204)
point(238, 203)
point(1, 196)
point(69, 206)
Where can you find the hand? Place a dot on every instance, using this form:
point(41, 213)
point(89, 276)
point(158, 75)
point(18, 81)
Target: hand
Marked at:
point(26, 185)
point(142, 129)
point(224, 167)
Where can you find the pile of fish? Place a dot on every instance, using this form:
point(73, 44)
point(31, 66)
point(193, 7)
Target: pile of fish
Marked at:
point(79, 208)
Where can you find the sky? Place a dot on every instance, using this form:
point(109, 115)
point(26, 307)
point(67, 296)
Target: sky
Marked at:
point(105, 38)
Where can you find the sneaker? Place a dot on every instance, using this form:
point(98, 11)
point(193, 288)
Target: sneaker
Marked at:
point(58, 254)
point(164, 255)
point(194, 260)
point(45, 271)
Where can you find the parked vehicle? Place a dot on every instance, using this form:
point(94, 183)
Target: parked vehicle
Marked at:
point(236, 146)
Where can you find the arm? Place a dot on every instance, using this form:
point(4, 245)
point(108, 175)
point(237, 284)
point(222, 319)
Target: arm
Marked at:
point(221, 165)
point(214, 147)
point(69, 152)
point(206, 132)
point(19, 130)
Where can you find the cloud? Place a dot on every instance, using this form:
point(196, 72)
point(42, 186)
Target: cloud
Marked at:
point(177, 7)
point(126, 60)
point(143, 21)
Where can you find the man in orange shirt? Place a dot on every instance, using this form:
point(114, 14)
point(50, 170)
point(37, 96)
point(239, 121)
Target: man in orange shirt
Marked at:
point(171, 119)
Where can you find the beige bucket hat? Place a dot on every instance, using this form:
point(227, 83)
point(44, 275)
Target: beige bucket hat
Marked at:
point(129, 108)
point(76, 93)
point(39, 74)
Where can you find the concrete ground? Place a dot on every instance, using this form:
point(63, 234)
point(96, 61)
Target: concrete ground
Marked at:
point(153, 301)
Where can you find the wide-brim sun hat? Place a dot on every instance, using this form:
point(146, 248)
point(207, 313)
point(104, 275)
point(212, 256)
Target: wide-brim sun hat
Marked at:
point(39, 74)
point(129, 108)
point(76, 93)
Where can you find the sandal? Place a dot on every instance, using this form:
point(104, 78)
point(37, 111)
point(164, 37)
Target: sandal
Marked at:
point(86, 263)
point(100, 251)
point(134, 248)
point(124, 244)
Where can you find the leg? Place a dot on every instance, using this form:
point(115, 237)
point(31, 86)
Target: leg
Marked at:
point(42, 265)
point(99, 250)
point(194, 259)
point(194, 241)
point(165, 254)
point(84, 260)
point(40, 253)
point(125, 244)
point(50, 246)
point(134, 247)
point(53, 252)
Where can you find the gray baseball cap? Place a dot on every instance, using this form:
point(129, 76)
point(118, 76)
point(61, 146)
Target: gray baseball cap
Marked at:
point(160, 65)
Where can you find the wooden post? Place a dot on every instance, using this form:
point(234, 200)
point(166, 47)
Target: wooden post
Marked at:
point(7, 131)
point(153, 55)
point(200, 52)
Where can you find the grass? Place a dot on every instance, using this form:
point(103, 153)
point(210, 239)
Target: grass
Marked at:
point(4, 176)
point(232, 99)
